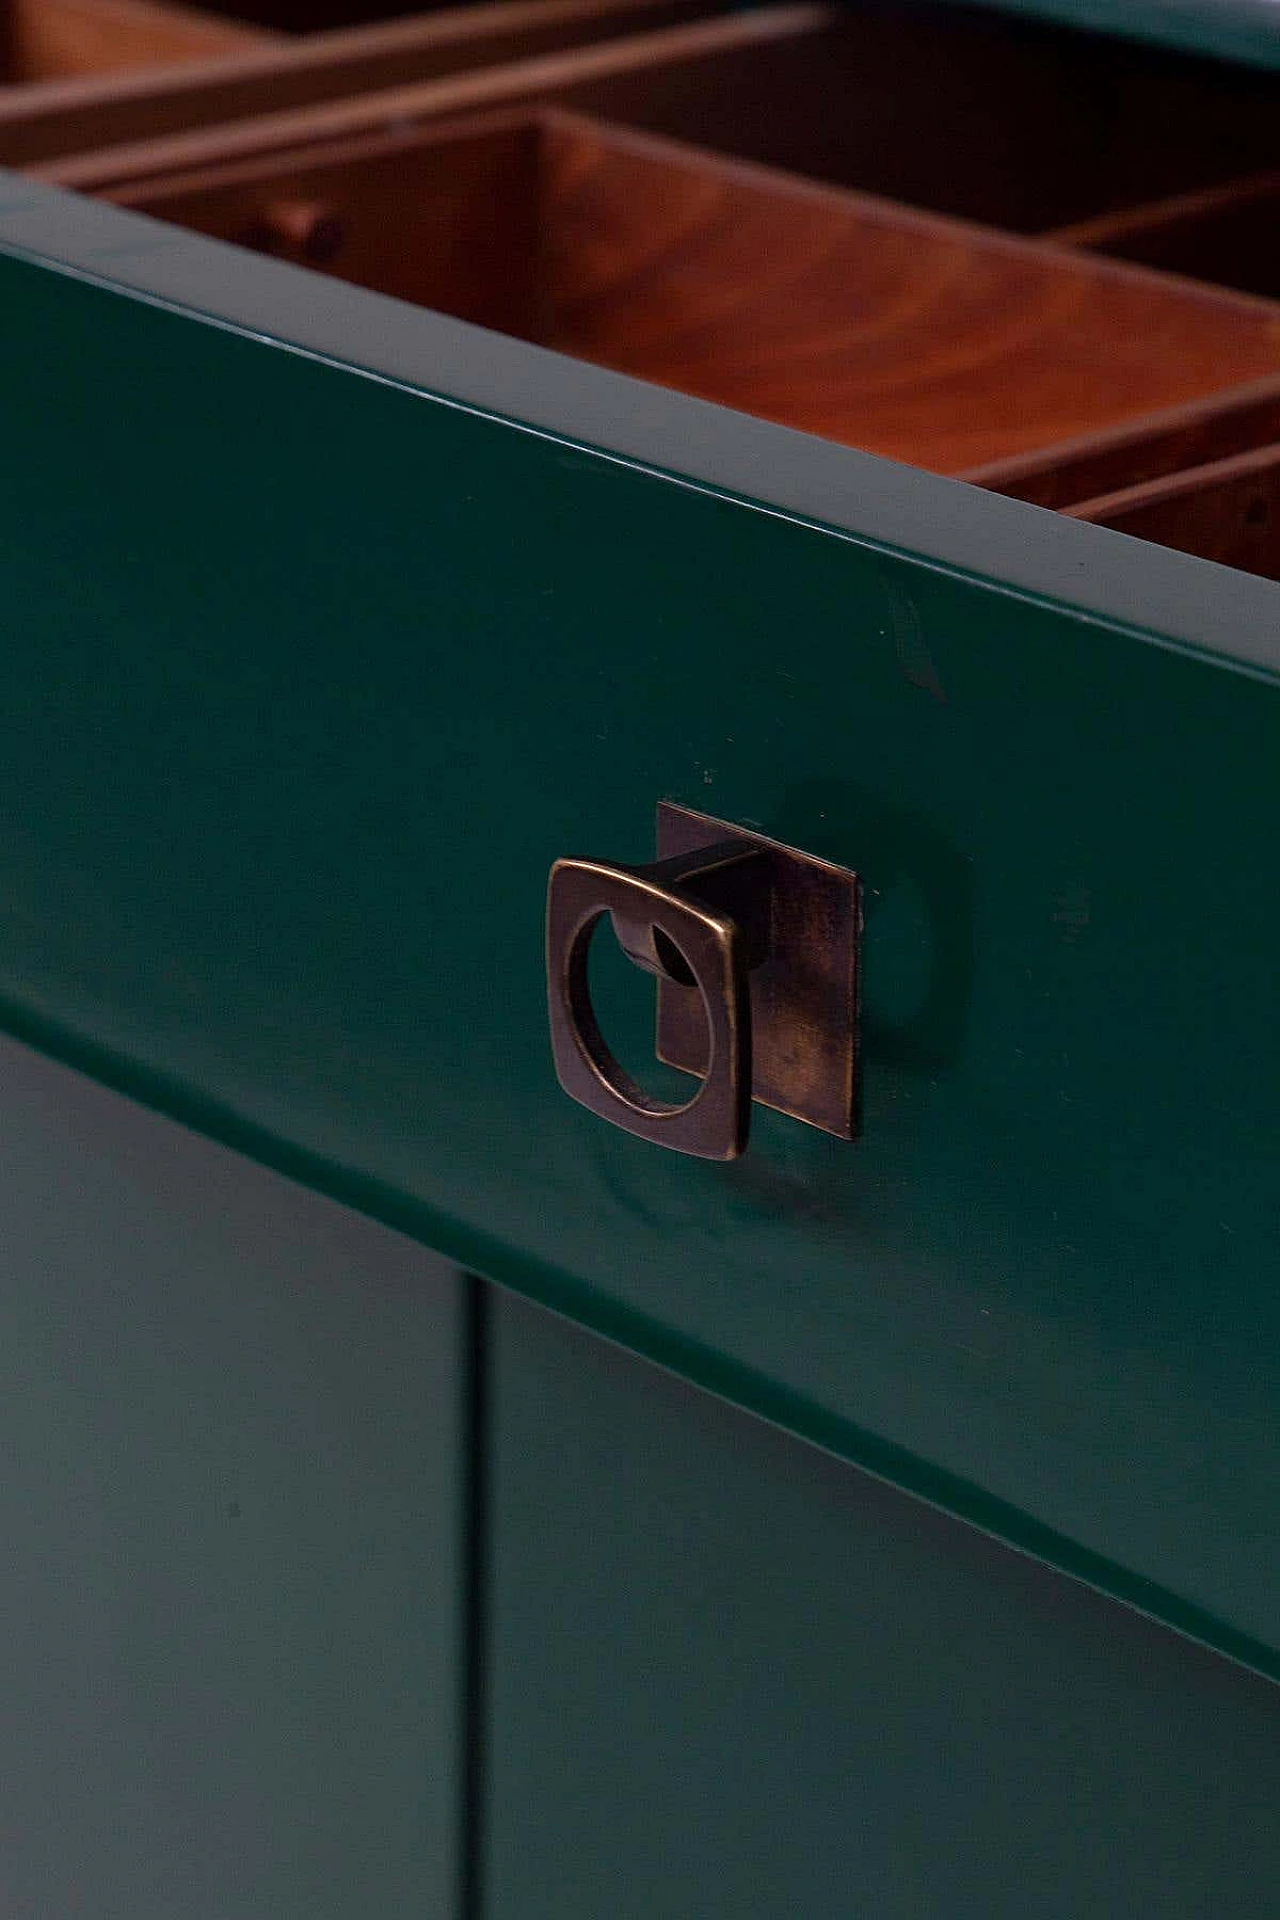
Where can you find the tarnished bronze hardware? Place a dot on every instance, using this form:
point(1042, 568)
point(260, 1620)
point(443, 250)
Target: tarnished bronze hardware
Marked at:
point(755, 949)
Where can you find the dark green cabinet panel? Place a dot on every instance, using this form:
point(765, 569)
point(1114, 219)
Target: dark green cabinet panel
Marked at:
point(1232, 29)
point(307, 678)
point(734, 1679)
point(229, 1506)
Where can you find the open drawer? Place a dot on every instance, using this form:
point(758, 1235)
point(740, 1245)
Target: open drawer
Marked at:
point(344, 617)
point(230, 71)
point(1011, 122)
point(946, 345)
point(1123, 387)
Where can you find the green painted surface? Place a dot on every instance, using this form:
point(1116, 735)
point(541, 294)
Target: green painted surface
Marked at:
point(1242, 30)
point(733, 1679)
point(230, 1508)
point(307, 679)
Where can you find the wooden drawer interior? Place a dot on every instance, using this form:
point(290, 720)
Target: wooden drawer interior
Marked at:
point(970, 112)
point(888, 226)
point(61, 109)
point(1219, 427)
point(1228, 233)
point(59, 39)
point(1227, 510)
point(1011, 122)
point(920, 338)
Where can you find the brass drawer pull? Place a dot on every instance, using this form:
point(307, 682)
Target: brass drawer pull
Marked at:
point(755, 949)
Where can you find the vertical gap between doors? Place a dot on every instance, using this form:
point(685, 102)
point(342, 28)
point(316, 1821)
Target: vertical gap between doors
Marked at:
point(475, 1525)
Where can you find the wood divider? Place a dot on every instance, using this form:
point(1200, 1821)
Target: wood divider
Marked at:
point(252, 73)
point(331, 83)
point(1227, 510)
point(924, 339)
point(963, 111)
point(1229, 234)
point(1214, 428)
point(523, 165)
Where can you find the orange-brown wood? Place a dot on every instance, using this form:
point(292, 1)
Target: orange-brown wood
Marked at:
point(1228, 511)
point(1230, 234)
point(920, 338)
point(966, 111)
point(39, 123)
point(455, 234)
point(636, 59)
point(47, 39)
point(1215, 428)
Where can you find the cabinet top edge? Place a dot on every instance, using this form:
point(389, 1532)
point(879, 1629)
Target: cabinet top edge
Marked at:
point(1244, 31)
point(1005, 545)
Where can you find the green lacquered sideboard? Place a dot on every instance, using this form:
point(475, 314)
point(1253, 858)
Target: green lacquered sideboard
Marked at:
point(424, 1498)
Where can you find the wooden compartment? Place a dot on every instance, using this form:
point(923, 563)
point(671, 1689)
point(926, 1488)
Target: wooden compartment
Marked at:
point(1219, 427)
point(59, 39)
point(254, 73)
point(1227, 510)
point(1012, 122)
point(954, 347)
point(923, 339)
point(1229, 233)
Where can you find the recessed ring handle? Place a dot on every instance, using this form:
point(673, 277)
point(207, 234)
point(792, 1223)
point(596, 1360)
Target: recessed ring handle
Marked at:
point(755, 950)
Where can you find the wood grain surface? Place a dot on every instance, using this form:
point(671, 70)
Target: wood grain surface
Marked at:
point(966, 111)
point(1215, 428)
point(1228, 511)
point(50, 39)
point(641, 62)
point(262, 72)
point(919, 338)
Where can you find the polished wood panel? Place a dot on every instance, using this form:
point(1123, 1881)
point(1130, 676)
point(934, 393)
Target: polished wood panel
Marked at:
point(1229, 233)
point(1187, 436)
point(49, 39)
point(919, 338)
point(1228, 510)
point(562, 75)
point(967, 112)
point(279, 73)
point(449, 224)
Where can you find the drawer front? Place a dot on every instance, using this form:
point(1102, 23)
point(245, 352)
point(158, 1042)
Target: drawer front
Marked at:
point(730, 1679)
point(314, 677)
